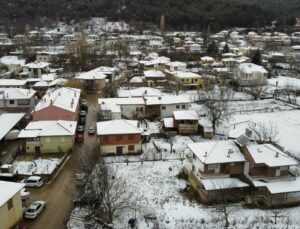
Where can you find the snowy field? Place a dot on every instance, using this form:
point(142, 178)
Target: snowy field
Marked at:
point(283, 82)
point(287, 123)
point(158, 193)
point(37, 167)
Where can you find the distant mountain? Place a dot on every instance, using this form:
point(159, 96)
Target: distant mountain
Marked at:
point(179, 14)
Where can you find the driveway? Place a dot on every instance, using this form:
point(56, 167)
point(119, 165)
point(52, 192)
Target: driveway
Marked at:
point(61, 191)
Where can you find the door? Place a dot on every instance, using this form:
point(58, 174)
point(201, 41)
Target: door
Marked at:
point(119, 150)
point(37, 150)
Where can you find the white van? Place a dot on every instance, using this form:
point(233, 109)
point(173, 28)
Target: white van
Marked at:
point(33, 181)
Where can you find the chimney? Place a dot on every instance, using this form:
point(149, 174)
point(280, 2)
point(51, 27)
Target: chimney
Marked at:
point(51, 102)
point(205, 155)
point(159, 97)
point(277, 154)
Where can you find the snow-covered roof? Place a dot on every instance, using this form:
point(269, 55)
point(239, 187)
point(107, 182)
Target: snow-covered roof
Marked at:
point(180, 74)
point(167, 99)
point(269, 155)
point(207, 58)
point(277, 187)
point(185, 115)
point(153, 73)
point(36, 65)
point(49, 128)
point(223, 183)
point(59, 81)
point(41, 84)
point(176, 64)
point(66, 98)
point(12, 82)
point(214, 152)
point(119, 126)
point(12, 60)
point(8, 190)
point(249, 68)
point(95, 74)
point(16, 93)
point(8, 121)
point(168, 122)
point(48, 77)
point(139, 92)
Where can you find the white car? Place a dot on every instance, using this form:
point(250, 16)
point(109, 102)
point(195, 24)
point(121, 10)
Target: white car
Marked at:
point(33, 181)
point(35, 209)
point(24, 194)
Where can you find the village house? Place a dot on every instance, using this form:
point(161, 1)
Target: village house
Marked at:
point(58, 104)
point(17, 99)
point(49, 57)
point(269, 171)
point(11, 211)
point(93, 80)
point(35, 69)
point(248, 74)
point(119, 137)
point(175, 66)
point(154, 76)
point(12, 83)
point(189, 79)
point(108, 71)
point(138, 92)
point(216, 169)
point(42, 137)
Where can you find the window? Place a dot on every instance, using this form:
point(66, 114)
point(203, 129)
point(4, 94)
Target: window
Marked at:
point(119, 137)
point(11, 101)
point(194, 156)
point(177, 107)
point(131, 148)
point(183, 106)
point(163, 107)
point(23, 101)
point(10, 204)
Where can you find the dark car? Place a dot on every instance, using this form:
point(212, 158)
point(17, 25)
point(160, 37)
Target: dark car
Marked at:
point(81, 121)
point(80, 129)
point(82, 113)
point(79, 137)
point(84, 105)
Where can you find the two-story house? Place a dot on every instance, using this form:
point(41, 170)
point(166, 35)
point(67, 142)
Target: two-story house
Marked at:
point(186, 121)
point(248, 74)
point(119, 137)
point(216, 169)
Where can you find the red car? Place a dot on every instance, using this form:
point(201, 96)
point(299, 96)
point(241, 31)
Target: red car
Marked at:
point(79, 137)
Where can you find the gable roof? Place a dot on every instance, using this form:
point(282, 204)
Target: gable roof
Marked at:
point(8, 190)
point(185, 115)
point(249, 68)
point(66, 98)
point(8, 121)
point(49, 128)
point(16, 93)
point(139, 92)
point(95, 74)
point(118, 126)
point(167, 99)
point(213, 152)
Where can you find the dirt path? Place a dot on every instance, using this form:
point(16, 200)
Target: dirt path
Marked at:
point(61, 191)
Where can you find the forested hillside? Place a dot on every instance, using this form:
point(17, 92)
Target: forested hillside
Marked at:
point(179, 14)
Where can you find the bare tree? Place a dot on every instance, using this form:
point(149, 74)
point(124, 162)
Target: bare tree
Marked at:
point(289, 90)
point(223, 210)
point(216, 105)
point(257, 89)
point(111, 190)
point(267, 132)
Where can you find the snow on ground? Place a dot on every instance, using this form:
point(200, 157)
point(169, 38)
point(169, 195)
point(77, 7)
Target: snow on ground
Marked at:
point(284, 81)
point(37, 167)
point(287, 122)
point(158, 192)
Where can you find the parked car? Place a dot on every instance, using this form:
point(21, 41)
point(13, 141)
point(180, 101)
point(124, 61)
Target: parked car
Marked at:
point(8, 177)
point(92, 130)
point(12, 135)
point(84, 105)
point(35, 209)
point(24, 194)
point(33, 181)
point(80, 129)
point(82, 113)
point(79, 137)
point(82, 121)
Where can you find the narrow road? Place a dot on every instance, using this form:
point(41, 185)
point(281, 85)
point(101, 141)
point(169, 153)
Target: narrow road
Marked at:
point(62, 189)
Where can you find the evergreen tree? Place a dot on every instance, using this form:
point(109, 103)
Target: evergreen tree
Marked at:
point(226, 48)
point(256, 59)
point(212, 49)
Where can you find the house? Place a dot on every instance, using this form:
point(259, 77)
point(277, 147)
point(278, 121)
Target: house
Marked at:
point(248, 74)
point(108, 71)
point(8, 121)
point(216, 168)
point(35, 69)
point(12, 83)
point(119, 137)
point(49, 57)
point(163, 106)
point(11, 211)
point(189, 79)
point(154, 75)
point(58, 104)
point(17, 99)
point(269, 172)
point(175, 66)
point(56, 136)
point(116, 108)
point(186, 121)
point(93, 80)
point(139, 92)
